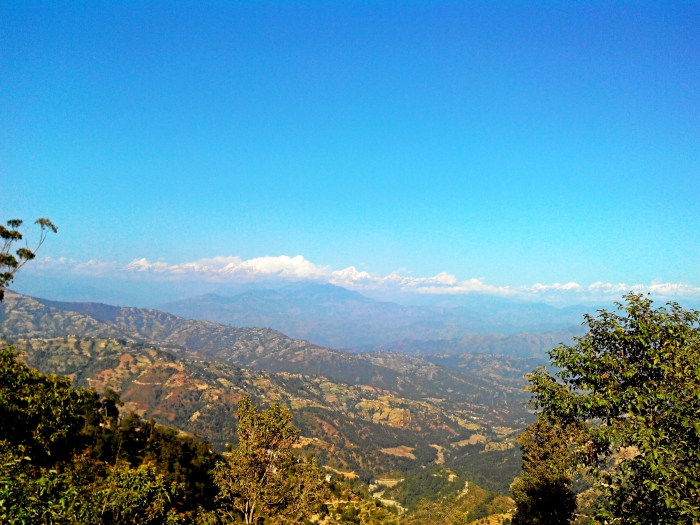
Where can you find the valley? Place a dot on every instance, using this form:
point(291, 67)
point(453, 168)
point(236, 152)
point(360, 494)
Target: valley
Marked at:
point(362, 415)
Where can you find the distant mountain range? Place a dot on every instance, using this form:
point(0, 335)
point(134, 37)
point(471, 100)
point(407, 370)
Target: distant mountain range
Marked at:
point(332, 316)
point(316, 313)
point(254, 348)
point(369, 413)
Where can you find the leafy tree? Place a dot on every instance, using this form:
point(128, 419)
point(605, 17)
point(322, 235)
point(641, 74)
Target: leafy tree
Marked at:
point(85, 492)
point(544, 490)
point(10, 263)
point(67, 457)
point(138, 496)
point(633, 383)
point(31, 494)
point(39, 412)
point(261, 476)
point(186, 461)
point(180, 459)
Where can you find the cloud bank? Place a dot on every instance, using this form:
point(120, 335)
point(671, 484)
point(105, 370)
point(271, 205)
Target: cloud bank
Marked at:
point(233, 269)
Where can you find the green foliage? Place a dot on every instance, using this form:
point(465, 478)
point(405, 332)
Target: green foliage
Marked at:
point(84, 492)
point(473, 504)
point(11, 263)
point(66, 456)
point(138, 496)
point(351, 508)
point(37, 411)
point(261, 475)
point(431, 483)
point(543, 491)
point(633, 382)
point(185, 461)
point(493, 470)
point(181, 460)
point(30, 494)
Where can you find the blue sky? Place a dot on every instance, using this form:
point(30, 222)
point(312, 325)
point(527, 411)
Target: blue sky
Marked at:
point(511, 142)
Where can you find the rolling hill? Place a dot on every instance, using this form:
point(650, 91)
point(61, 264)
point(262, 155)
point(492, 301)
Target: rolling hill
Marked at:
point(254, 348)
point(371, 414)
point(257, 349)
point(353, 429)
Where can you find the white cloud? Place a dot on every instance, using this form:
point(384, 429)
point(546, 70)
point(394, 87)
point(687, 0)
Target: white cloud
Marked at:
point(222, 268)
point(464, 287)
point(235, 269)
point(351, 277)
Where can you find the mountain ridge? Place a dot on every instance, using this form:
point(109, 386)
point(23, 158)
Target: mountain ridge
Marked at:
point(254, 348)
point(332, 316)
point(524, 344)
point(372, 413)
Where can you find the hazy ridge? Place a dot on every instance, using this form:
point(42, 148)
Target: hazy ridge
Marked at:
point(333, 316)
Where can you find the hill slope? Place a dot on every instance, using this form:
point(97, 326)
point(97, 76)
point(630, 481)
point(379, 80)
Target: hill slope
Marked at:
point(254, 348)
point(355, 428)
point(524, 344)
point(372, 414)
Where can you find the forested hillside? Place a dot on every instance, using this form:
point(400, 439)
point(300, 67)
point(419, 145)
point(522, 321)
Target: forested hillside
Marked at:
point(357, 428)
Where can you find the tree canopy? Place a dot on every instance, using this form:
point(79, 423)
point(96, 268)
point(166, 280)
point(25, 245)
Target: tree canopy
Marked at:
point(68, 456)
point(261, 475)
point(623, 409)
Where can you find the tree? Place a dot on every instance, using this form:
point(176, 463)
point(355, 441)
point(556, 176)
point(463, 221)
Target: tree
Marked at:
point(44, 432)
point(633, 384)
point(67, 457)
point(261, 476)
point(141, 495)
point(544, 492)
point(31, 494)
point(11, 263)
point(39, 412)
